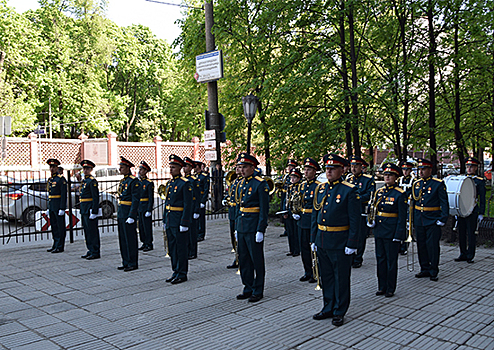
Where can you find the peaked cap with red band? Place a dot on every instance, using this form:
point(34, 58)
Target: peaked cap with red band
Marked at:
point(472, 161)
point(407, 165)
point(358, 160)
point(174, 159)
point(245, 158)
point(189, 161)
point(333, 160)
point(126, 162)
point(145, 166)
point(424, 163)
point(86, 163)
point(291, 162)
point(53, 161)
point(391, 168)
point(296, 172)
point(312, 163)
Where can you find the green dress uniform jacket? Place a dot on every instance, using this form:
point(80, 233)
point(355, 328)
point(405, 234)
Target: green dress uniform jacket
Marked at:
point(231, 199)
point(178, 212)
point(89, 204)
point(252, 217)
point(430, 204)
point(57, 200)
point(204, 181)
point(389, 231)
point(146, 204)
point(335, 225)
point(128, 205)
point(290, 222)
point(194, 223)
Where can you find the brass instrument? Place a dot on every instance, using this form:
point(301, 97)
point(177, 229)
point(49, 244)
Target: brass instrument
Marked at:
point(371, 215)
point(165, 240)
point(163, 190)
point(230, 177)
point(315, 270)
point(295, 201)
point(236, 256)
point(271, 184)
point(409, 240)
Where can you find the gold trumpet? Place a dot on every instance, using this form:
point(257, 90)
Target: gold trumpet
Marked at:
point(315, 270)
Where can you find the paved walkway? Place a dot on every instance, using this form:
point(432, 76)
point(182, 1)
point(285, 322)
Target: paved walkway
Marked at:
point(63, 302)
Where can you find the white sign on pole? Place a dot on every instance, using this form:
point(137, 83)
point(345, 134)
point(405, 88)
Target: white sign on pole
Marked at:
point(209, 66)
point(210, 145)
point(5, 125)
point(210, 155)
point(210, 135)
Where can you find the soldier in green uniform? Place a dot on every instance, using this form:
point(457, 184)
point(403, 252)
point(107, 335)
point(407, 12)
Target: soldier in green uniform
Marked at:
point(231, 200)
point(57, 200)
point(405, 182)
point(146, 204)
point(203, 178)
point(390, 210)
point(334, 237)
point(128, 205)
point(365, 186)
point(196, 193)
point(430, 213)
point(291, 164)
point(89, 204)
point(467, 226)
point(291, 217)
point(251, 223)
point(307, 191)
point(177, 218)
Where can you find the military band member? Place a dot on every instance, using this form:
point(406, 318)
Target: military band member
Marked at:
point(334, 237)
point(467, 226)
point(290, 165)
point(189, 164)
point(177, 217)
point(390, 205)
point(231, 200)
point(251, 223)
point(366, 186)
point(128, 205)
point(307, 190)
point(203, 178)
point(89, 203)
point(290, 219)
point(57, 200)
point(430, 213)
point(405, 182)
point(146, 203)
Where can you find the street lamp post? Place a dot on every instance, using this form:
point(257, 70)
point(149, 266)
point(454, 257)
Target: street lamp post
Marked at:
point(249, 103)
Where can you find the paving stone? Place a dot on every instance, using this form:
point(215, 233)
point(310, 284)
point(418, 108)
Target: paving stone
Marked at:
point(56, 329)
point(19, 339)
point(449, 334)
point(68, 340)
point(43, 344)
point(11, 327)
point(481, 342)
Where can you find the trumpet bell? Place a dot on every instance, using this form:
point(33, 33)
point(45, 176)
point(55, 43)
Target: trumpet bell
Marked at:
point(230, 177)
point(162, 191)
point(271, 185)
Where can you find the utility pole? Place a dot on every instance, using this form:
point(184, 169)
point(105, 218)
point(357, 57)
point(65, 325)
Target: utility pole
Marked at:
point(49, 117)
point(214, 116)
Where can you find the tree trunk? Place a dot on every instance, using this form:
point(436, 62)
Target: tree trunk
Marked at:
point(346, 90)
point(432, 83)
point(354, 96)
point(460, 143)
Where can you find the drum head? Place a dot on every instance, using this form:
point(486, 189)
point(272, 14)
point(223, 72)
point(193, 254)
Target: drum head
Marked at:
point(467, 197)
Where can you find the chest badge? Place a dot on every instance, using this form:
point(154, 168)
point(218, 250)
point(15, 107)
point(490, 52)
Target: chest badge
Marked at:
point(338, 196)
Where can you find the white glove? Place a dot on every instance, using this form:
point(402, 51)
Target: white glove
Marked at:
point(47, 212)
point(296, 216)
point(195, 216)
point(129, 221)
point(350, 251)
point(396, 240)
point(93, 216)
point(439, 223)
point(481, 217)
point(203, 206)
point(184, 229)
point(224, 202)
point(259, 237)
point(236, 238)
point(371, 225)
point(61, 212)
point(164, 227)
point(147, 214)
point(313, 247)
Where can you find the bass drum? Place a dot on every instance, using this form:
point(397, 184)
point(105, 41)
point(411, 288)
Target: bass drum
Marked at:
point(462, 194)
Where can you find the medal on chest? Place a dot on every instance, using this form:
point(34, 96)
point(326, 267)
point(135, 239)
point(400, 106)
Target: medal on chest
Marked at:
point(338, 196)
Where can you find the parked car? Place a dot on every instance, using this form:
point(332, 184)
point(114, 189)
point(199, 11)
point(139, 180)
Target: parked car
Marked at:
point(24, 199)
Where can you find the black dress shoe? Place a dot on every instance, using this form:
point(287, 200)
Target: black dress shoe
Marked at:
point(142, 247)
point(322, 315)
point(357, 265)
point(338, 321)
point(312, 280)
point(192, 257)
point(147, 249)
point(423, 274)
point(284, 235)
point(470, 261)
point(461, 259)
point(170, 279)
point(404, 253)
point(255, 298)
point(58, 250)
point(234, 265)
point(130, 268)
point(178, 280)
point(50, 250)
point(380, 292)
point(434, 278)
point(200, 239)
point(121, 268)
point(296, 254)
point(304, 278)
point(289, 254)
point(389, 295)
point(85, 256)
point(244, 296)
point(93, 257)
